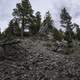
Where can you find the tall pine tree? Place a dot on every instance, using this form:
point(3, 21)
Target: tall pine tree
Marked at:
point(48, 22)
point(38, 21)
point(67, 24)
point(13, 28)
point(24, 12)
point(77, 31)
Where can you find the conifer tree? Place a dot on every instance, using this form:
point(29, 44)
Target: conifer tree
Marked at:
point(57, 34)
point(67, 24)
point(13, 28)
point(48, 22)
point(77, 31)
point(0, 34)
point(38, 21)
point(24, 12)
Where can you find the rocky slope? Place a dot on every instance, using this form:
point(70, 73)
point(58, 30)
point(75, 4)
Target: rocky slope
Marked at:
point(37, 58)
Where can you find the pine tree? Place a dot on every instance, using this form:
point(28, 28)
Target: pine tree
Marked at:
point(13, 28)
point(38, 21)
point(33, 26)
point(0, 34)
point(24, 12)
point(48, 22)
point(57, 34)
point(77, 31)
point(67, 24)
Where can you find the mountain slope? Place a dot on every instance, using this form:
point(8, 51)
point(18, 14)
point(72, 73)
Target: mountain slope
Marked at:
point(38, 58)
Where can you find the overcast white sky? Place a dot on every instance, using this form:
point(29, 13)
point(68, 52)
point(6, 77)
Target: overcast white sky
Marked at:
point(54, 6)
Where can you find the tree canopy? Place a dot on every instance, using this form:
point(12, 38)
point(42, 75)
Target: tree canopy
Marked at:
point(67, 24)
point(24, 12)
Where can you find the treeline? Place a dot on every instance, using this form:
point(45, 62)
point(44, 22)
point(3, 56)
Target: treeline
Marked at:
point(25, 22)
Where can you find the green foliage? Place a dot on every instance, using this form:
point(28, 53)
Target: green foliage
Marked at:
point(67, 24)
point(0, 35)
point(77, 32)
point(36, 23)
point(58, 34)
point(13, 29)
point(24, 12)
point(61, 34)
point(23, 9)
point(48, 22)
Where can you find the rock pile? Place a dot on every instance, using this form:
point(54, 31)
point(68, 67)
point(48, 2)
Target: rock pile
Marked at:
point(39, 61)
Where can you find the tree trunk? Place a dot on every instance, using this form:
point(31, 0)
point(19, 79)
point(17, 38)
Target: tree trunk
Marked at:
point(22, 28)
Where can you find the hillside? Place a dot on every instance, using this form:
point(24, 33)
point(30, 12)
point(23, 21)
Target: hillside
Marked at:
point(38, 58)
